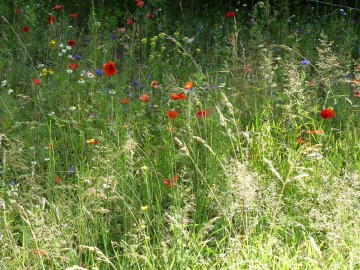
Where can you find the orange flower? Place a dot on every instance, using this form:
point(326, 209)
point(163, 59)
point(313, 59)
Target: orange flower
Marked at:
point(356, 82)
point(172, 114)
point(41, 252)
point(145, 98)
point(248, 69)
point(311, 84)
point(57, 180)
point(125, 101)
point(357, 94)
point(188, 85)
point(155, 85)
point(300, 141)
point(171, 183)
point(109, 69)
point(178, 96)
point(36, 81)
point(317, 132)
point(327, 114)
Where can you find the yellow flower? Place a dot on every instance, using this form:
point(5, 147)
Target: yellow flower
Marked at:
point(144, 208)
point(52, 42)
point(144, 168)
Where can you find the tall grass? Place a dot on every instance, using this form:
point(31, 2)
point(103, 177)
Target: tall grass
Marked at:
point(248, 175)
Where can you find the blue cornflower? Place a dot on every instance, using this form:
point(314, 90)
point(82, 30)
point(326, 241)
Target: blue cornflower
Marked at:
point(148, 76)
point(305, 62)
point(98, 72)
point(78, 56)
point(135, 83)
point(347, 76)
point(13, 183)
point(72, 169)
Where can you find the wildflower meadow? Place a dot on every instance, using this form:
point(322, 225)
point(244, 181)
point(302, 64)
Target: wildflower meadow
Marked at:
point(162, 134)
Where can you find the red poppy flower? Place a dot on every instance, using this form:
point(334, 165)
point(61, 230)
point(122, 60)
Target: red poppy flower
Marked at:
point(125, 101)
point(327, 113)
point(150, 16)
point(188, 85)
point(144, 98)
point(57, 7)
point(57, 179)
point(109, 69)
point(71, 43)
point(300, 141)
point(26, 29)
point(357, 94)
point(172, 114)
point(129, 22)
point(155, 85)
point(178, 96)
point(171, 183)
point(73, 66)
point(51, 19)
point(18, 11)
point(356, 82)
point(74, 16)
point(230, 14)
point(36, 81)
point(140, 3)
point(202, 114)
point(92, 141)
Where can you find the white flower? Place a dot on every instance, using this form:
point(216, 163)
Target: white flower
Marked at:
point(69, 71)
point(72, 108)
point(63, 50)
point(60, 54)
point(61, 45)
point(4, 82)
point(81, 81)
point(68, 47)
point(90, 75)
point(70, 56)
point(83, 72)
point(10, 91)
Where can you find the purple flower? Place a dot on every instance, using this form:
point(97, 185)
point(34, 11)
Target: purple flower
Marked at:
point(13, 183)
point(119, 56)
point(78, 56)
point(113, 36)
point(305, 62)
point(72, 169)
point(98, 72)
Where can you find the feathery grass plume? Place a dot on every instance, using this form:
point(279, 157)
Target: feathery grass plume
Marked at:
point(205, 144)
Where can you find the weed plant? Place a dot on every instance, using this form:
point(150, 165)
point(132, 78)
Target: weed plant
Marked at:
point(226, 139)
